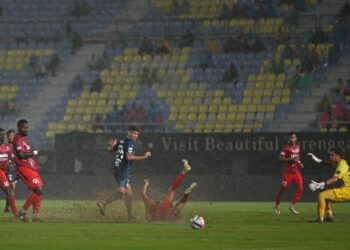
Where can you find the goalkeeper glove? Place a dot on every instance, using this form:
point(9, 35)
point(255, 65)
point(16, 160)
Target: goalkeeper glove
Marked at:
point(314, 158)
point(313, 186)
point(35, 152)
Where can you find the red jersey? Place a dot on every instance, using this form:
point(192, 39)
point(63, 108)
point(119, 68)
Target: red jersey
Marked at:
point(21, 145)
point(290, 151)
point(5, 155)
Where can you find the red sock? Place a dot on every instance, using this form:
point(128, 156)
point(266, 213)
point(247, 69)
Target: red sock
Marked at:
point(30, 200)
point(37, 204)
point(177, 181)
point(10, 199)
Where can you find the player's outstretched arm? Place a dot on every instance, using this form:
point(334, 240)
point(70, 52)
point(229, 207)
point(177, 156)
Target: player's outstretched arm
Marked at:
point(131, 157)
point(111, 144)
point(318, 160)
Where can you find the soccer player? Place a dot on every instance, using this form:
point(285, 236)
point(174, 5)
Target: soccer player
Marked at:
point(339, 194)
point(11, 170)
point(125, 155)
point(27, 169)
point(5, 157)
point(165, 210)
point(291, 156)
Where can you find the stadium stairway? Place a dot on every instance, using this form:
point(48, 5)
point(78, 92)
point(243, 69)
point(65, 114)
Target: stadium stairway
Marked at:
point(305, 114)
point(51, 93)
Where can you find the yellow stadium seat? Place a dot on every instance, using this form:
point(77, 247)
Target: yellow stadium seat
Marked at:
point(202, 116)
point(173, 116)
point(203, 108)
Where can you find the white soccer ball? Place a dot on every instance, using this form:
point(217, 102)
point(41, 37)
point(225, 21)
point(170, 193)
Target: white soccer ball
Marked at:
point(197, 222)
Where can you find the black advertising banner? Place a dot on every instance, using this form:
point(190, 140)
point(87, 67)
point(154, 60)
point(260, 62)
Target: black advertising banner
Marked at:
point(210, 154)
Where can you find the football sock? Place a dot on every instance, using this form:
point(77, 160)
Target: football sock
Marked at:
point(12, 203)
point(30, 200)
point(177, 181)
point(37, 204)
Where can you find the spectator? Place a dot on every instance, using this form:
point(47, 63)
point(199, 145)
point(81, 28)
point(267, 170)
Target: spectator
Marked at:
point(186, 39)
point(68, 30)
point(281, 36)
point(159, 119)
point(212, 46)
point(96, 85)
point(308, 37)
point(131, 115)
point(314, 58)
point(275, 67)
point(145, 47)
point(319, 37)
point(325, 103)
point(77, 84)
point(54, 63)
point(287, 51)
point(114, 116)
point(326, 119)
point(338, 91)
point(81, 9)
point(77, 42)
point(207, 61)
point(151, 113)
point(33, 62)
point(164, 47)
point(231, 74)
point(229, 45)
point(225, 12)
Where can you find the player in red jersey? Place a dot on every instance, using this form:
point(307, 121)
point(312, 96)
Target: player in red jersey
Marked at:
point(5, 157)
point(27, 169)
point(165, 210)
point(11, 170)
point(291, 156)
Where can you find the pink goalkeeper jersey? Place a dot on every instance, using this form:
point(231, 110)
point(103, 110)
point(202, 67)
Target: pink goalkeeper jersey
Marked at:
point(291, 151)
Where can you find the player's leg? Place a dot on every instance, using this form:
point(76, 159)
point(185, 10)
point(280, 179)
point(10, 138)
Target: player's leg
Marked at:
point(128, 202)
point(323, 198)
point(178, 179)
point(33, 181)
point(286, 181)
point(298, 181)
point(115, 195)
point(181, 203)
point(340, 195)
point(5, 186)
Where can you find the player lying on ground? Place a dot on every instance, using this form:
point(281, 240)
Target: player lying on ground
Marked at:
point(165, 210)
point(340, 194)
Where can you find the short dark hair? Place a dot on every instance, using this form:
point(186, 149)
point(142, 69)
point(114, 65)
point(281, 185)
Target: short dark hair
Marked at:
point(22, 121)
point(338, 151)
point(10, 131)
point(134, 128)
point(1, 129)
point(291, 133)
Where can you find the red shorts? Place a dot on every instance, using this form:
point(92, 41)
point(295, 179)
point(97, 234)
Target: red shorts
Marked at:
point(30, 177)
point(4, 182)
point(165, 210)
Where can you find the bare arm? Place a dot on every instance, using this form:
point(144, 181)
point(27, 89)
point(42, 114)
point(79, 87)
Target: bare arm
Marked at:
point(332, 180)
point(131, 157)
point(111, 144)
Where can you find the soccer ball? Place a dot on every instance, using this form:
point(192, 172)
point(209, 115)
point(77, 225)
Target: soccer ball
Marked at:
point(197, 222)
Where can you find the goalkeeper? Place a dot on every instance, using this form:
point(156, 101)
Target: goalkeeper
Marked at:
point(340, 194)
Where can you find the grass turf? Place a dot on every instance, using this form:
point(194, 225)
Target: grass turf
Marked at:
point(229, 225)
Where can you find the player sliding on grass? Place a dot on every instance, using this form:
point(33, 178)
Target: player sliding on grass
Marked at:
point(165, 210)
point(125, 155)
point(291, 174)
point(340, 194)
point(5, 157)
